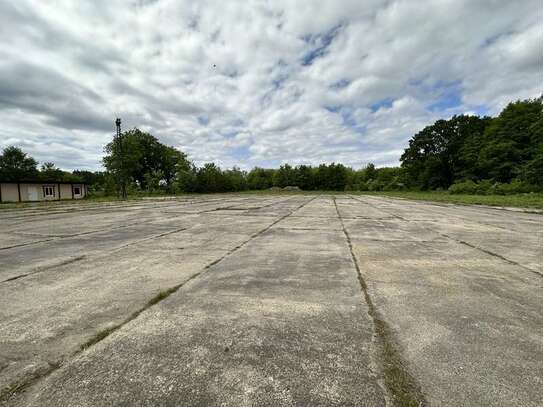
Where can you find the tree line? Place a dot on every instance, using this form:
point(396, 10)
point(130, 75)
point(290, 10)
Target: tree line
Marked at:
point(463, 154)
point(16, 165)
point(479, 151)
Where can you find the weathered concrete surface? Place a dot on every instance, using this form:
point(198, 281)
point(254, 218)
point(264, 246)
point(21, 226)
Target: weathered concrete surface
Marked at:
point(263, 304)
point(64, 291)
point(470, 323)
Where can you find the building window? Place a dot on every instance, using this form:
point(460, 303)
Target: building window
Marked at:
point(49, 192)
point(77, 191)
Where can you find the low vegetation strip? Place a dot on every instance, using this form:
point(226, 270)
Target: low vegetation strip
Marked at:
point(529, 201)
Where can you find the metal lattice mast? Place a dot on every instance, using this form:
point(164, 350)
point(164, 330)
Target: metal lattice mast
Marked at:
point(122, 179)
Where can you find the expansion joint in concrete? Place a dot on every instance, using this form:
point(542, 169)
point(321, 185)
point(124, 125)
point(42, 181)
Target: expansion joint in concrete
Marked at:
point(23, 384)
point(82, 257)
point(400, 386)
point(490, 253)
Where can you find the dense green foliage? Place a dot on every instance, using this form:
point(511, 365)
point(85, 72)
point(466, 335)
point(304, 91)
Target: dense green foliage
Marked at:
point(443, 152)
point(16, 165)
point(487, 151)
point(138, 157)
point(462, 155)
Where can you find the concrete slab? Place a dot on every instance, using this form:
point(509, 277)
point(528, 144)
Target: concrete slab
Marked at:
point(468, 322)
point(243, 300)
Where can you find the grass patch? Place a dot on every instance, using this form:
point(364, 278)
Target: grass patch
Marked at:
point(161, 295)
point(404, 390)
point(21, 384)
point(527, 200)
point(534, 200)
point(108, 331)
point(99, 336)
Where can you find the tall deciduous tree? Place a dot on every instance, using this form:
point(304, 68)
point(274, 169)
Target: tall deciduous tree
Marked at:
point(436, 156)
point(138, 153)
point(16, 165)
point(50, 172)
point(284, 176)
point(210, 178)
point(260, 178)
point(511, 140)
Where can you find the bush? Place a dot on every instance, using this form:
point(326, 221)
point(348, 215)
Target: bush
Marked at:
point(363, 186)
point(487, 187)
point(463, 187)
point(375, 185)
point(533, 170)
point(515, 187)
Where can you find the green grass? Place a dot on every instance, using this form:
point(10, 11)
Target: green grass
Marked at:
point(534, 200)
point(55, 204)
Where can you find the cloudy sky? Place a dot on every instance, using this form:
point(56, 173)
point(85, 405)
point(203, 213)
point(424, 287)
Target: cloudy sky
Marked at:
point(254, 82)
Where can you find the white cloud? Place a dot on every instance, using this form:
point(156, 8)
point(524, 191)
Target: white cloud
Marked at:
point(258, 83)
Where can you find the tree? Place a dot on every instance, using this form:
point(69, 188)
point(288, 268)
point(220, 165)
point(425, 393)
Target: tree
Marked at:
point(236, 180)
point(172, 160)
point(509, 140)
point(284, 176)
point(260, 178)
point(337, 177)
point(533, 171)
point(210, 178)
point(153, 180)
point(434, 158)
point(304, 177)
point(50, 172)
point(16, 165)
point(320, 176)
point(91, 178)
point(185, 179)
point(138, 153)
point(370, 172)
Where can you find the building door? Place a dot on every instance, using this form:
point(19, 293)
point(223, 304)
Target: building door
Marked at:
point(32, 193)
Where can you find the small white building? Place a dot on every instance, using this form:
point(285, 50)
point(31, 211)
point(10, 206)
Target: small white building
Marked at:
point(34, 191)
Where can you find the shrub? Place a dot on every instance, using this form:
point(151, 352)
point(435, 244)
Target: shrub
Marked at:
point(515, 187)
point(363, 186)
point(485, 187)
point(463, 187)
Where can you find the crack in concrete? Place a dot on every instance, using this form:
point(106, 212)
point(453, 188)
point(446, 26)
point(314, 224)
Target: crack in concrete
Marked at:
point(493, 254)
point(49, 238)
point(490, 253)
point(21, 385)
point(528, 210)
point(28, 243)
point(235, 207)
point(95, 207)
point(78, 258)
point(44, 268)
point(400, 387)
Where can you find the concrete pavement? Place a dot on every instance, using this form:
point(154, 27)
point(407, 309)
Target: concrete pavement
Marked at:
point(270, 300)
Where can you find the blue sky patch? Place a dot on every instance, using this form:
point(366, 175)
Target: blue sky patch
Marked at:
point(447, 96)
point(387, 103)
point(320, 43)
point(343, 83)
point(203, 120)
point(240, 153)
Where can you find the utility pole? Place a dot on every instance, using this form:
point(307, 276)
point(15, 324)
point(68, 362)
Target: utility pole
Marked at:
point(122, 178)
